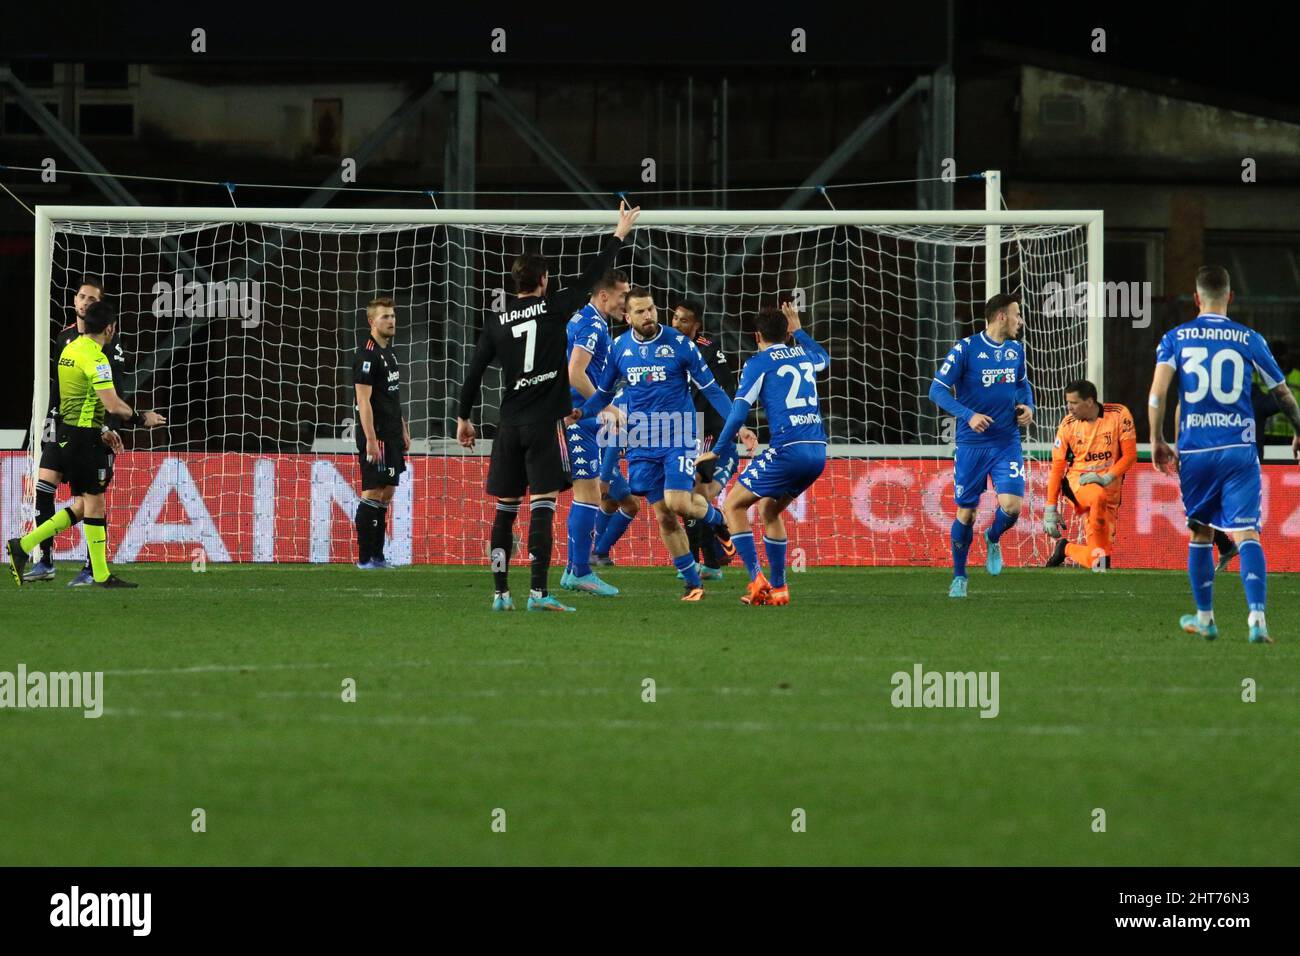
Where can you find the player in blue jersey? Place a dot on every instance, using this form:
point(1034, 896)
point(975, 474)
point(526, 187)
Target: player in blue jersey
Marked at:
point(982, 382)
point(783, 377)
point(657, 366)
point(618, 506)
point(711, 474)
point(588, 354)
point(1217, 467)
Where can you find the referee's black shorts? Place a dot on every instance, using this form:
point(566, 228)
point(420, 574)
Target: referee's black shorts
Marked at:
point(387, 471)
point(528, 458)
point(51, 457)
point(87, 464)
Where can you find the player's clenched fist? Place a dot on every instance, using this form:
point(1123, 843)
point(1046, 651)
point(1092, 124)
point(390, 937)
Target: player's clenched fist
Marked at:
point(465, 433)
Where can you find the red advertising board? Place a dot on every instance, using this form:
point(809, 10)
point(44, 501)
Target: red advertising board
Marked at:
point(299, 508)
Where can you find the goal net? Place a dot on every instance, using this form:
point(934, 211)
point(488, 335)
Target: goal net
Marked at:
point(240, 327)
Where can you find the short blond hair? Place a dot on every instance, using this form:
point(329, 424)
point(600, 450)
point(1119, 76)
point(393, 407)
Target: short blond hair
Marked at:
point(383, 302)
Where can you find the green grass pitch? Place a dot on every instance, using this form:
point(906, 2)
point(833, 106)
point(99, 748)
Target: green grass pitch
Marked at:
point(223, 691)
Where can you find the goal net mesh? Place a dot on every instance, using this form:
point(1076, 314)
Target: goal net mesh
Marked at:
point(242, 335)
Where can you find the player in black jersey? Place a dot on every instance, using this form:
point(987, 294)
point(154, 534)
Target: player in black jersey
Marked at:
point(52, 467)
point(383, 436)
point(528, 341)
point(712, 476)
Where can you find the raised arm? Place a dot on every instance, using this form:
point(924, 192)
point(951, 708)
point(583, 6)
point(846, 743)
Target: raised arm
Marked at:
point(818, 354)
point(567, 301)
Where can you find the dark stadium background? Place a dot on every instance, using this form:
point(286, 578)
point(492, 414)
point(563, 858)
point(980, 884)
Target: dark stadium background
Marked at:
point(613, 88)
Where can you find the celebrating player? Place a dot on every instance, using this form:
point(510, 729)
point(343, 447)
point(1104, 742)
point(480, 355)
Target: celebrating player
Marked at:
point(50, 474)
point(993, 401)
point(657, 366)
point(587, 335)
point(712, 475)
point(384, 436)
point(528, 340)
point(783, 378)
point(1217, 467)
point(1098, 444)
point(86, 394)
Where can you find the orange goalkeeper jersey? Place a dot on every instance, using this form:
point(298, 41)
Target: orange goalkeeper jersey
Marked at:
point(1108, 443)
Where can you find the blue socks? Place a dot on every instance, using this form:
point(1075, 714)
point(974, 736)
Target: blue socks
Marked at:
point(713, 516)
point(614, 528)
point(776, 559)
point(1200, 571)
point(602, 522)
point(1251, 555)
point(582, 521)
point(686, 565)
point(744, 544)
point(1001, 523)
point(961, 539)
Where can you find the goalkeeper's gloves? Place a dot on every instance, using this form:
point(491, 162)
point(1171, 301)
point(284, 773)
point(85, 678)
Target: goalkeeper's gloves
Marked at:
point(1097, 478)
point(1051, 522)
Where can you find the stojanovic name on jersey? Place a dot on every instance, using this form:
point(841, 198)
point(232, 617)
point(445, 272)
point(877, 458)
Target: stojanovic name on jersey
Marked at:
point(1240, 336)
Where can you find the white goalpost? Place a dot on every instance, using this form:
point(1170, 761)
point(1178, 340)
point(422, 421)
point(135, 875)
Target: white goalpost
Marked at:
point(240, 324)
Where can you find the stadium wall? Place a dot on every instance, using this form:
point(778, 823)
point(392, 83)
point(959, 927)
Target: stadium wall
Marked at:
point(299, 508)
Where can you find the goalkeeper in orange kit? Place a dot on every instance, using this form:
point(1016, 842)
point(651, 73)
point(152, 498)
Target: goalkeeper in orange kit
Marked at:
point(1097, 444)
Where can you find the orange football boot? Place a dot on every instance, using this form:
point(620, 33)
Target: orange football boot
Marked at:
point(757, 592)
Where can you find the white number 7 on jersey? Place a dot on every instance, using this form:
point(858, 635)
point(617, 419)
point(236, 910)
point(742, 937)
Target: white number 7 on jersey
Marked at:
point(529, 329)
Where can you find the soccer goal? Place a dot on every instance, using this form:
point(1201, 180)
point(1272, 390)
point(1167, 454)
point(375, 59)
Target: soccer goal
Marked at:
point(240, 325)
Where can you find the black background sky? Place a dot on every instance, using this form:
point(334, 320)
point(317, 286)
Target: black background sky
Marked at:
point(1244, 48)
